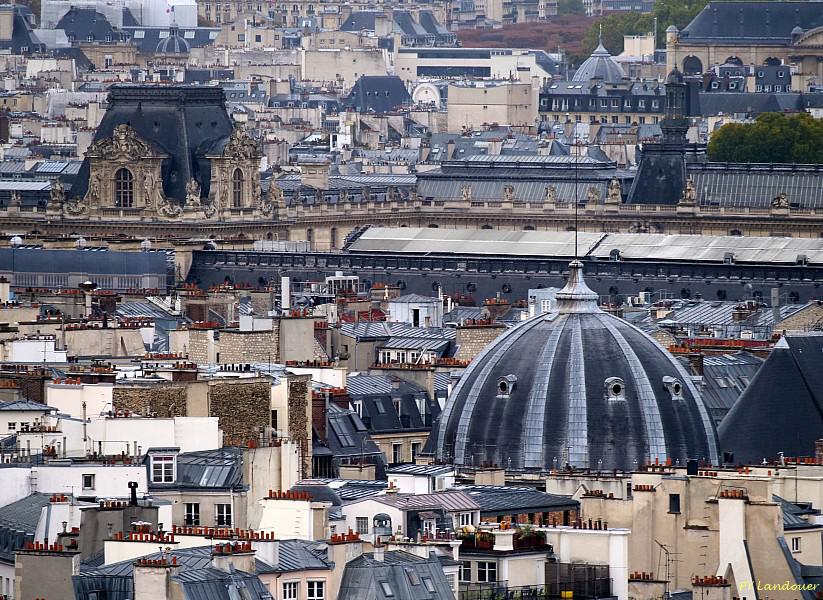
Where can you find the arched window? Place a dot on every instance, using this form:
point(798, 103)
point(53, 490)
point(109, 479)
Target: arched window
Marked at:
point(692, 66)
point(237, 188)
point(123, 188)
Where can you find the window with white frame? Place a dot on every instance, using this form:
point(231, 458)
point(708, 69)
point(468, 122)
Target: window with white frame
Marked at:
point(12, 426)
point(397, 453)
point(466, 571)
point(222, 514)
point(162, 469)
point(315, 590)
point(486, 571)
point(88, 481)
point(465, 519)
point(290, 590)
point(795, 544)
point(362, 525)
point(192, 513)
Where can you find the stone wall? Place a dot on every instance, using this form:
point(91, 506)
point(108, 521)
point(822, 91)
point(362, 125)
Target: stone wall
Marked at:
point(803, 320)
point(300, 419)
point(198, 346)
point(249, 346)
point(471, 339)
point(242, 407)
point(165, 400)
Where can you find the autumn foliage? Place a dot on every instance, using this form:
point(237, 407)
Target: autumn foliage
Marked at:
point(564, 32)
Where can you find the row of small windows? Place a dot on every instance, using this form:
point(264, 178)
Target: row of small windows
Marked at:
point(564, 104)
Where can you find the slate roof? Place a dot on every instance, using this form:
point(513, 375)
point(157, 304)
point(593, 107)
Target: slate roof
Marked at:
point(543, 391)
point(349, 435)
point(505, 500)
point(600, 65)
point(528, 175)
point(376, 394)
point(360, 21)
point(198, 579)
point(450, 501)
point(184, 122)
point(744, 23)
point(377, 94)
point(25, 405)
point(82, 23)
point(299, 555)
point(42, 260)
point(720, 316)
point(782, 408)
point(725, 377)
point(794, 513)
point(219, 469)
point(149, 39)
point(18, 523)
point(22, 36)
point(756, 186)
point(387, 329)
point(421, 470)
point(349, 489)
point(399, 576)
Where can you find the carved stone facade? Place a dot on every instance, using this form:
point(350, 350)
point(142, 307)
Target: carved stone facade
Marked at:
point(126, 176)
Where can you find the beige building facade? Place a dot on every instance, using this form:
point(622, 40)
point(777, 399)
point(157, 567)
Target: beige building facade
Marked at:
point(479, 105)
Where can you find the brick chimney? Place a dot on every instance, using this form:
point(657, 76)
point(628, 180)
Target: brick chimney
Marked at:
point(238, 555)
point(320, 413)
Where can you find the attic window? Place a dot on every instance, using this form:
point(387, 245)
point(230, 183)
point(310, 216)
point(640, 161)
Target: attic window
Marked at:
point(429, 585)
point(164, 34)
point(139, 35)
point(162, 469)
point(506, 384)
point(414, 579)
point(387, 591)
point(189, 35)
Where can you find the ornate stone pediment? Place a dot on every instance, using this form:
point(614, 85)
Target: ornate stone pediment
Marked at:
point(241, 146)
point(813, 38)
point(123, 144)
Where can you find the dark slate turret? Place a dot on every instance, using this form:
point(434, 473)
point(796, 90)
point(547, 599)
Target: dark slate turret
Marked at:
point(187, 123)
point(661, 176)
point(782, 408)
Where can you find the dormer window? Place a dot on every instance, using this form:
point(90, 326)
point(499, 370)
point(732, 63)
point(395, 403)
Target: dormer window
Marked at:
point(506, 384)
point(162, 468)
point(674, 387)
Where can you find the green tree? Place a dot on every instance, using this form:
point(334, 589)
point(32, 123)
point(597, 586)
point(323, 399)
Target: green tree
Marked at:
point(674, 12)
point(614, 27)
point(570, 7)
point(771, 138)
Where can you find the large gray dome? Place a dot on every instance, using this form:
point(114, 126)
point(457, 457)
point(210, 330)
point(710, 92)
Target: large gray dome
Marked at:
point(600, 65)
point(579, 385)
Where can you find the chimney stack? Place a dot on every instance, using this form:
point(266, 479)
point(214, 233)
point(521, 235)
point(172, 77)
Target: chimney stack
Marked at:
point(133, 489)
